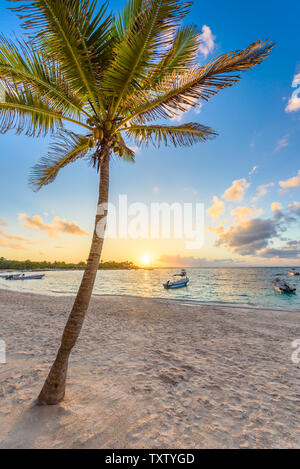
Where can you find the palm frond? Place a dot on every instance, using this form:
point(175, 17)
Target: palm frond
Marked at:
point(142, 44)
point(179, 91)
point(126, 154)
point(65, 149)
point(27, 113)
point(74, 35)
point(22, 65)
point(181, 55)
point(125, 19)
point(117, 74)
point(180, 135)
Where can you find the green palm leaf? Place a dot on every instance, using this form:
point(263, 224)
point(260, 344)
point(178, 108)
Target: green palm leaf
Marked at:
point(180, 135)
point(27, 113)
point(72, 36)
point(117, 74)
point(126, 153)
point(178, 91)
point(181, 55)
point(24, 66)
point(141, 45)
point(125, 19)
point(30, 113)
point(67, 148)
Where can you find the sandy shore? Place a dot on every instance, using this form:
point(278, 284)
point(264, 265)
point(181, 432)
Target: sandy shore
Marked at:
point(150, 374)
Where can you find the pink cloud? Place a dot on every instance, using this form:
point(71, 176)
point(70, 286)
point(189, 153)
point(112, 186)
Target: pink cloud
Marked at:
point(53, 229)
point(237, 190)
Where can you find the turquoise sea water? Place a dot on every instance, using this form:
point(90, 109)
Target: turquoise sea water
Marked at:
point(237, 286)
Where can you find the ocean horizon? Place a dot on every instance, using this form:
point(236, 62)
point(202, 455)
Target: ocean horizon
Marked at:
point(241, 286)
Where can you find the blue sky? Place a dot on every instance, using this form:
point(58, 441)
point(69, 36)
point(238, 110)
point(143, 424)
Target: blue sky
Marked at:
point(254, 131)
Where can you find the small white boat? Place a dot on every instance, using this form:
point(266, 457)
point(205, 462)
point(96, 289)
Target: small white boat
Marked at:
point(23, 277)
point(32, 277)
point(182, 282)
point(282, 287)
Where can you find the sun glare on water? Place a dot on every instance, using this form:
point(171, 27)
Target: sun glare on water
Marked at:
point(146, 259)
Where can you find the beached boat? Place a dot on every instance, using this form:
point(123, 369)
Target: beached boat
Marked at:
point(182, 282)
point(24, 277)
point(12, 276)
point(282, 287)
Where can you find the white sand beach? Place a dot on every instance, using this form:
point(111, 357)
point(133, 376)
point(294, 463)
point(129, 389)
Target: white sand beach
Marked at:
point(150, 374)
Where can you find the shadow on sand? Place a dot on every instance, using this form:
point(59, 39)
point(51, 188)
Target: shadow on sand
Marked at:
point(32, 424)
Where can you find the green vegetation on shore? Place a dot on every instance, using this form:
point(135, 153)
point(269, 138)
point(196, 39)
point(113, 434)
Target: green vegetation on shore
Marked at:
point(6, 264)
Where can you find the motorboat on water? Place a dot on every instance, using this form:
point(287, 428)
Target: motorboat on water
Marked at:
point(281, 286)
point(24, 277)
point(293, 272)
point(181, 282)
point(12, 276)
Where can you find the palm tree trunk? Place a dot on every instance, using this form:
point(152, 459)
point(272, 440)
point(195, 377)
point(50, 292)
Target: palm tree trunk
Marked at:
point(53, 390)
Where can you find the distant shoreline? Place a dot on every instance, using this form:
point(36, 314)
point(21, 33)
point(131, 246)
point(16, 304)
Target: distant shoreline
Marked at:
point(45, 266)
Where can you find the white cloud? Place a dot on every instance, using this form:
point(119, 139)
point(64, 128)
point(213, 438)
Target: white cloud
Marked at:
point(207, 41)
point(290, 183)
point(187, 107)
point(294, 101)
point(296, 80)
point(262, 190)
point(217, 208)
point(253, 170)
point(282, 143)
point(236, 191)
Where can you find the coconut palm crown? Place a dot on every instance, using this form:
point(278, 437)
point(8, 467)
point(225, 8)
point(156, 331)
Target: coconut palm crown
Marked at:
point(113, 77)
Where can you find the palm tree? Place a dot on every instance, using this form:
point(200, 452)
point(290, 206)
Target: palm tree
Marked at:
point(112, 77)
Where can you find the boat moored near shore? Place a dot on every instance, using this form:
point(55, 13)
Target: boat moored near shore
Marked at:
point(283, 287)
point(184, 280)
point(24, 277)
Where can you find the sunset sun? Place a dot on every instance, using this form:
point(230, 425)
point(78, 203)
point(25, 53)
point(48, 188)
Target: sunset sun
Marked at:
point(146, 259)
